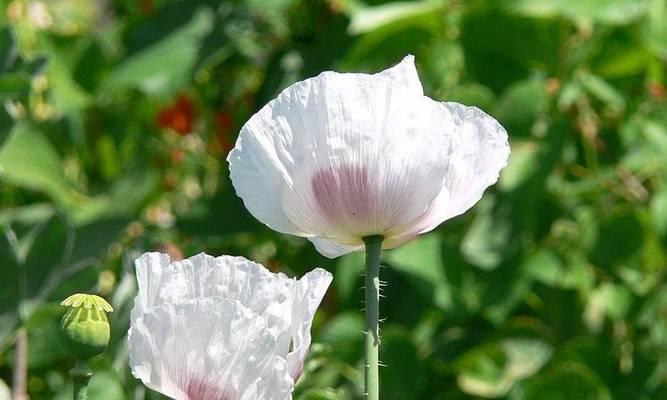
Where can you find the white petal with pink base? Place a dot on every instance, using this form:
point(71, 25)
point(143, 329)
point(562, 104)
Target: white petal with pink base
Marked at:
point(221, 328)
point(340, 156)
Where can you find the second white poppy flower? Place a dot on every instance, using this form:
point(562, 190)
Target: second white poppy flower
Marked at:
point(221, 328)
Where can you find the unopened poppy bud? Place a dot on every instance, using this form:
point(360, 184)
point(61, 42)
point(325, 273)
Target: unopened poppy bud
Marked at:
point(85, 327)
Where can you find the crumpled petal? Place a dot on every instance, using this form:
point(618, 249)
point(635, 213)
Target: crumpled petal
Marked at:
point(339, 157)
point(287, 305)
point(207, 349)
point(481, 151)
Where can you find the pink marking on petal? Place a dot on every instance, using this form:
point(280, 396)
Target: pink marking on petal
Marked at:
point(200, 390)
point(297, 371)
point(343, 194)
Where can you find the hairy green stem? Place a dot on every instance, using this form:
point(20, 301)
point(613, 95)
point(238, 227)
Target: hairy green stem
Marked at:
point(372, 376)
point(81, 374)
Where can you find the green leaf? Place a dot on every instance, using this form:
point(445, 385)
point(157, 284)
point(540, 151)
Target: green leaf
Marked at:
point(603, 91)
point(522, 165)
point(655, 30)
point(491, 370)
point(43, 327)
point(68, 95)
point(520, 105)
point(545, 266)
point(607, 300)
point(422, 259)
point(348, 275)
point(498, 57)
point(485, 243)
point(607, 11)
point(175, 55)
point(399, 354)
point(367, 19)
point(54, 260)
point(471, 94)
point(8, 50)
point(566, 382)
point(655, 133)
point(105, 385)
point(14, 86)
point(29, 160)
point(343, 333)
point(620, 238)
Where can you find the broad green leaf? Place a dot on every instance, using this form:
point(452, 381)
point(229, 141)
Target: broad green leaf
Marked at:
point(422, 259)
point(491, 370)
point(29, 160)
point(68, 95)
point(367, 19)
point(566, 382)
point(399, 354)
point(522, 165)
point(344, 333)
point(472, 95)
point(485, 242)
point(606, 11)
point(607, 300)
point(7, 48)
point(175, 55)
point(655, 133)
point(45, 347)
point(545, 266)
point(655, 30)
point(349, 272)
point(105, 385)
point(14, 86)
point(498, 57)
point(520, 105)
point(627, 62)
point(619, 238)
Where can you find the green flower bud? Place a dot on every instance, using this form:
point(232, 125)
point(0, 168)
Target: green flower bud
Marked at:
point(85, 327)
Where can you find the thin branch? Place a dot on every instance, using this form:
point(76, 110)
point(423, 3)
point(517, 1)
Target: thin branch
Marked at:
point(20, 382)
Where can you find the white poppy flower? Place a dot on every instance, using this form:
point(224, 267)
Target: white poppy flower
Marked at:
point(339, 157)
point(221, 328)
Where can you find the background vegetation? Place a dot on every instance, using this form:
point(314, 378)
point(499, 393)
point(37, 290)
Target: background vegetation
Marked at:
point(116, 118)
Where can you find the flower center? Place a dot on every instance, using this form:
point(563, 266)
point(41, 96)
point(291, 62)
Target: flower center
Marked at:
point(343, 195)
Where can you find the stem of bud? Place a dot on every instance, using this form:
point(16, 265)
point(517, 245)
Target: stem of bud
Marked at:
point(81, 374)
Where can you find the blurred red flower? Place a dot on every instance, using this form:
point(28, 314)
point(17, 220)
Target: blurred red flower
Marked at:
point(224, 124)
point(178, 117)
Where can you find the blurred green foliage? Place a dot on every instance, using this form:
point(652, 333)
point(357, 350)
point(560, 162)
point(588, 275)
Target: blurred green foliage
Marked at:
point(117, 115)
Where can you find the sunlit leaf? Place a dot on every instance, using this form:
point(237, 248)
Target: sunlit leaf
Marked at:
point(370, 18)
point(175, 54)
point(28, 159)
point(422, 259)
point(490, 371)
